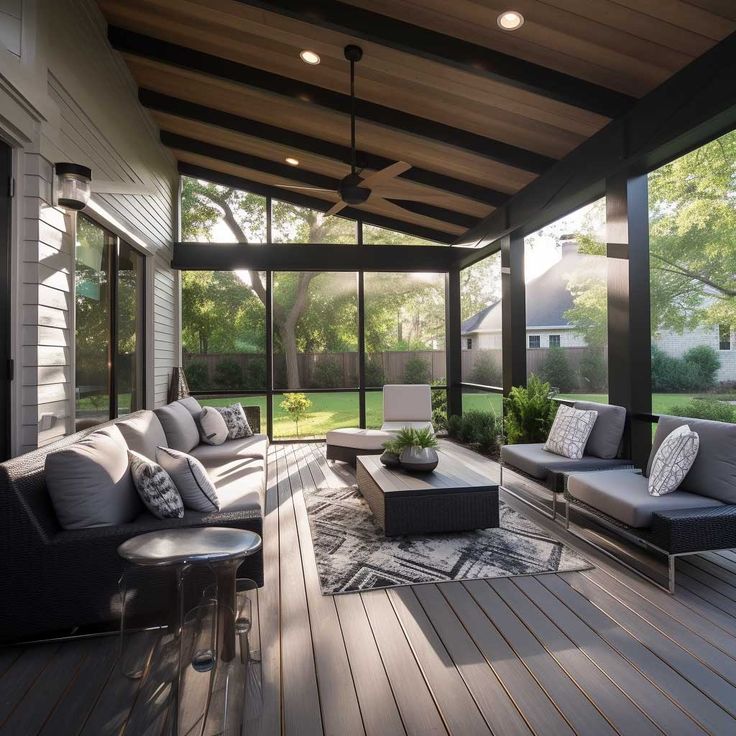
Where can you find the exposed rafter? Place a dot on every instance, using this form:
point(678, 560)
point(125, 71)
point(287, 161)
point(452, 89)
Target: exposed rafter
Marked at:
point(299, 141)
point(302, 200)
point(300, 175)
point(181, 56)
point(448, 50)
point(692, 107)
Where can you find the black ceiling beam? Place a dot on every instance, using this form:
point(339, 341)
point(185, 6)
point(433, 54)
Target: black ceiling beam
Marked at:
point(451, 51)
point(181, 56)
point(694, 106)
point(254, 128)
point(303, 200)
point(300, 175)
point(311, 257)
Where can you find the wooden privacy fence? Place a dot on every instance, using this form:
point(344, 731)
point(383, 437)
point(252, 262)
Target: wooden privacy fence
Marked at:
point(340, 370)
point(316, 370)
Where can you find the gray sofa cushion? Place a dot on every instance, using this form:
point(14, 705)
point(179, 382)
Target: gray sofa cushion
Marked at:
point(143, 433)
point(191, 479)
point(623, 495)
point(240, 482)
point(179, 426)
point(191, 405)
point(255, 446)
point(713, 473)
point(90, 484)
point(538, 463)
point(608, 430)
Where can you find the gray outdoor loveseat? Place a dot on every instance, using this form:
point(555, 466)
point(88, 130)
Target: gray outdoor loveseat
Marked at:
point(699, 516)
point(549, 470)
point(53, 580)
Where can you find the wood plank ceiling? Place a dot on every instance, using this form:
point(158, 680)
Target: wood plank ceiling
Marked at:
point(478, 112)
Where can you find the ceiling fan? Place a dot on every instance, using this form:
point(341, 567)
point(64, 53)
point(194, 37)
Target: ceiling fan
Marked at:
point(355, 189)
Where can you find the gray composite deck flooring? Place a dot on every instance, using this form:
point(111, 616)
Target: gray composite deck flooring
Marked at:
point(594, 652)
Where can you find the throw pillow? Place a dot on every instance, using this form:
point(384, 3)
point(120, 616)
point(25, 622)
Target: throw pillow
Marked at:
point(212, 427)
point(191, 479)
point(155, 487)
point(673, 460)
point(570, 431)
point(89, 482)
point(179, 426)
point(237, 422)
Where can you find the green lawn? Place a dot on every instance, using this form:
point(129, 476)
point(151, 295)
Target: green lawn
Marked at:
point(334, 410)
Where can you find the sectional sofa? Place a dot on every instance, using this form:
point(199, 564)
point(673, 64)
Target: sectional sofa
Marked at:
point(699, 516)
point(54, 580)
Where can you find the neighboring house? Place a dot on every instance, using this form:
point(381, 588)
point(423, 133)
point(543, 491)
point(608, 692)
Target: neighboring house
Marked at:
point(548, 299)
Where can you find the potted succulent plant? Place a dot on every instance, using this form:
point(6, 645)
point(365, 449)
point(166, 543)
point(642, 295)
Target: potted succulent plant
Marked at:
point(391, 452)
point(418, 450)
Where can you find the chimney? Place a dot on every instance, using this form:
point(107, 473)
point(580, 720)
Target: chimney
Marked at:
point(569, 247)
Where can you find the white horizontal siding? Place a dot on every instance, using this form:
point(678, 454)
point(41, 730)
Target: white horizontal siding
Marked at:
point(93, 118)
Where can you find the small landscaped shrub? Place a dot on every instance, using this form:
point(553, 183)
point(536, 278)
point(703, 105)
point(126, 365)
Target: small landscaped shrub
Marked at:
point(695, 371)
point(593, 371)
point(706, 362)
point(486, 370)
point(374, 375)
point(255, 374)
point(454, 423)
point(439, 420)
point(556, 371)
point(719, 411)
point(417, 370)
point(228, 374)
point(529, 412)
point(297, 406)
point(328, 374)
point(196, 373)
point(491, 438)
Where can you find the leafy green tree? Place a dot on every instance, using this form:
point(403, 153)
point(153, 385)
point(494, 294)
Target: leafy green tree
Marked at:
point(297, 405)
point(692, 234)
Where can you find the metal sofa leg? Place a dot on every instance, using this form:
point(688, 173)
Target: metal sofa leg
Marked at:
point(671, 560)
point(567, 513)
point(554, 505)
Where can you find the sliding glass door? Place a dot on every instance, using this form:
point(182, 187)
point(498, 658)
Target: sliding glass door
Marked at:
point(109, 316)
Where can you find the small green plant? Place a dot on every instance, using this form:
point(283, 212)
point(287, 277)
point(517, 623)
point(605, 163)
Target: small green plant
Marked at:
point(420, 438)
point(529, 412)
point(392, 446)
point(297, 406)
point(416, 370)
point(439, 405)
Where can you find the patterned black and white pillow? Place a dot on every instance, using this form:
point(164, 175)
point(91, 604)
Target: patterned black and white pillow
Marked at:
point(155, 487)
point(237, 423)
point(570, 432)
point(212, 427)
point(673, 461)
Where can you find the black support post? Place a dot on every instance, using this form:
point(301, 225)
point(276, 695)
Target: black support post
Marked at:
point(361, 347)
point(269, 348)
point(629, 328)
point(453, 346)
point(513, 312)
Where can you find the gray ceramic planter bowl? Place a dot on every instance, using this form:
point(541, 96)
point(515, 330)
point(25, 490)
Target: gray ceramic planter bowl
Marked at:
point(419, 459)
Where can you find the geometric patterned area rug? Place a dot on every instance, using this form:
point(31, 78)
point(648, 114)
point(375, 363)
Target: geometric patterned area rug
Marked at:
point(353, 555)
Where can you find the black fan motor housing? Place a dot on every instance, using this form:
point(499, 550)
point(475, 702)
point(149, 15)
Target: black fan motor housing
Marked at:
point(351, 192)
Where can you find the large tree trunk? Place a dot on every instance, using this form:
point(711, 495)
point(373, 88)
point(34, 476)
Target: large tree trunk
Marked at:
point(288, 339)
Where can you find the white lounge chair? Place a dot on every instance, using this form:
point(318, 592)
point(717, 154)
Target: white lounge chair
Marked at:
point(407, 405)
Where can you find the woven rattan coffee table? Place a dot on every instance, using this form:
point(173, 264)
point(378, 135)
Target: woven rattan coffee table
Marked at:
point(451, 499)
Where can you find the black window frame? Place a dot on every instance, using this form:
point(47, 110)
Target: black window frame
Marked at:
point(113, 314)
point(534, 338)
point(724, 337)
point(557, 341)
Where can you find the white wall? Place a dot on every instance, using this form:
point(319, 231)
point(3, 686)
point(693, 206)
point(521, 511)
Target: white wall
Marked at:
point(69, 97)
point(676, 345)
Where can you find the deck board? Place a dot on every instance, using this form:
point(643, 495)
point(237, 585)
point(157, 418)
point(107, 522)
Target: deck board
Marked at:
point(598, 651)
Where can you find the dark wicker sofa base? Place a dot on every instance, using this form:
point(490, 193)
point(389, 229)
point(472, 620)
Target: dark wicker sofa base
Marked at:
point(348, 454)
point(672, 534)
point(53, 581)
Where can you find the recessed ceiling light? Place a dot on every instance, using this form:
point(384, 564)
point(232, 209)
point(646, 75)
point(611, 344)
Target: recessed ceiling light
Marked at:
point(309, 57)
point(510, 20)
point(292, 161)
